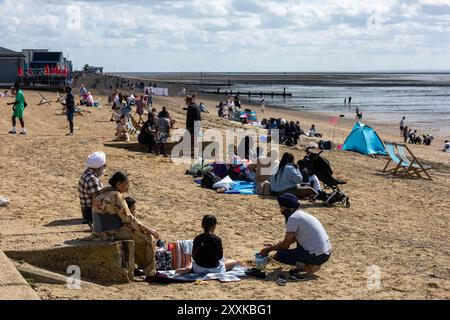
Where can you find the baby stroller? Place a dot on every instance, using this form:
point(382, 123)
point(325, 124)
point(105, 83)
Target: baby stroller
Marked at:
point(321, 168)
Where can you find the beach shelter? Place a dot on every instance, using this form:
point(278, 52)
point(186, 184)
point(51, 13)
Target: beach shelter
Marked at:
point(365, 140)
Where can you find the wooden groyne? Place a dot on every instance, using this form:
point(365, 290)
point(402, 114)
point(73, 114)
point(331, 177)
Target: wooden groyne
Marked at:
point(260, 94)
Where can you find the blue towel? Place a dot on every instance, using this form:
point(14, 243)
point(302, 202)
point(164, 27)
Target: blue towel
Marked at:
point(240, 187)
point(243, 187)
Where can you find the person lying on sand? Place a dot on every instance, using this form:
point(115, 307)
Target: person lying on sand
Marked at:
point(113, 220)
point(313, 244)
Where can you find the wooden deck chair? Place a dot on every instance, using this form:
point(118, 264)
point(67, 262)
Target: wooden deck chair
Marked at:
point(60, 98)
point(44, 100)
point(414, 167)
point(134, 124)
point(399, 164)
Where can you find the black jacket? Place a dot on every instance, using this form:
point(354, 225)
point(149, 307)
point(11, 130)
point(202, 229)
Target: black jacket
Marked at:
point(193, 114)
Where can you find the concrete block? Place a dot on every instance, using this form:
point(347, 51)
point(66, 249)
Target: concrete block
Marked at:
point(108, 261)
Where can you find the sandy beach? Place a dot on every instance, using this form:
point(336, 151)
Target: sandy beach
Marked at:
point(400, 225)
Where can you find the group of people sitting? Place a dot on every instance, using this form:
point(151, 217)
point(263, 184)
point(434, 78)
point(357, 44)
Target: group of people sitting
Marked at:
point(156, 131)
point(410, 136)
point(112, 216)
point(228, 108)
point(86, 98)
point(289, 132)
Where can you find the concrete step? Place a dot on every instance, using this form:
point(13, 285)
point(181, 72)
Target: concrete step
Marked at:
point(12, 285)
point(107, 261)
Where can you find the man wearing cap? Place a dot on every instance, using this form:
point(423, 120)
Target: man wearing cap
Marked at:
point(90, 185)
point(313, 244)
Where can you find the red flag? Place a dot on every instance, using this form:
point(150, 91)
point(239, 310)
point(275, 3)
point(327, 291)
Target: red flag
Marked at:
point(47, 70)
point(20, 72)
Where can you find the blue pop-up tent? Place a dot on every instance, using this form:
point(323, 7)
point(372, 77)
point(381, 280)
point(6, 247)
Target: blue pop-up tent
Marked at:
point(365, 140)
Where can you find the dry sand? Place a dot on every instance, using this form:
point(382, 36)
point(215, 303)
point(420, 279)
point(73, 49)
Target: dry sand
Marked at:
point(399, 225)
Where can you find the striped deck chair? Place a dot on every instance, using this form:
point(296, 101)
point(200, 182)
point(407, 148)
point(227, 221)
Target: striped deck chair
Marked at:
point(414, 167)
point(131, 125)
point(135, 123)
point(399, 164)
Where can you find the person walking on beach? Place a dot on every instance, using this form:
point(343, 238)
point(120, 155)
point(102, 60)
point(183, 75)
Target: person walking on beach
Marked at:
point(406, 133)
point(140, 106)
point(402, 125)
point(70, 108)
point(18, 109)
point(193, 120)
point(89, 184)
point(263, 105)
point(313, 244)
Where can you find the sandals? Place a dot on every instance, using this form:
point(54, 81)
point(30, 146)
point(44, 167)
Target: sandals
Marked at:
point(281, 281)
point(295, 275)
point(256, 273)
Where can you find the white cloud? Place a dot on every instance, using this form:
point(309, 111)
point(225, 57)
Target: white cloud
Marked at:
point(239, 34)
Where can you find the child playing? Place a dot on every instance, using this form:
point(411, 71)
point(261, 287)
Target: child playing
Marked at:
point(131, 205)
point(162, 134)
point(140, 105)
point(207, 251)
point(122, 133)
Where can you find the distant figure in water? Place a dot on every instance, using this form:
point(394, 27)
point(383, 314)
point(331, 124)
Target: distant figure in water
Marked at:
point(345, 101)
point(349, 100)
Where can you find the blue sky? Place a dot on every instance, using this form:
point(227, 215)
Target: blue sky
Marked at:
point(235, 35)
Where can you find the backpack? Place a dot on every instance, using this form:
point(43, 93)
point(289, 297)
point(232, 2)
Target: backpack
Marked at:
point(325, 145)
point(209, 179)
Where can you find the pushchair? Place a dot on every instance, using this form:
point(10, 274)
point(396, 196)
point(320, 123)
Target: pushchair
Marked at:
point(320, 166)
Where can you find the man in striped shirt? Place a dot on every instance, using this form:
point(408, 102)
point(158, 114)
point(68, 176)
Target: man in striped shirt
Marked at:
point(90, 185)
point(313, 244)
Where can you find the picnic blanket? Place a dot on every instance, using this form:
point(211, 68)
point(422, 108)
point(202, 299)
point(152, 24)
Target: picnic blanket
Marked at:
point(234, 275)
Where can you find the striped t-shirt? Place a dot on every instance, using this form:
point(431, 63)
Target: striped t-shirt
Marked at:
point(309, 233)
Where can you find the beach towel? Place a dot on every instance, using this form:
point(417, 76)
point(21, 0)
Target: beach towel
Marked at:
point(234, 275)
point(181, 253)
point(240, 187)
